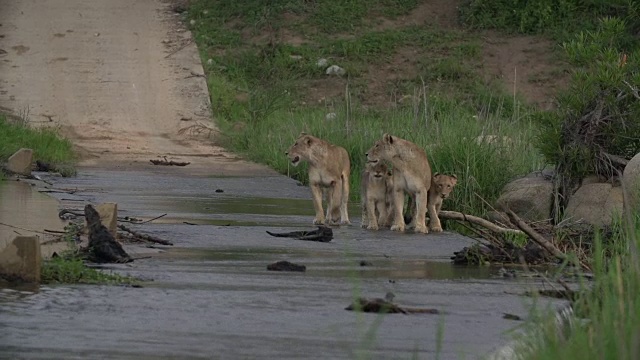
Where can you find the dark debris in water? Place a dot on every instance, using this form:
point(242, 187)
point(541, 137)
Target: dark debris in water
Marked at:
point(286, 266)
point(382, 306)
point(322, 234)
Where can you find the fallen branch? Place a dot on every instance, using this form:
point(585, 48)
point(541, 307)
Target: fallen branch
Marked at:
point(145, 236)
point(322, 234)
point(535, 236)
point(454, 215)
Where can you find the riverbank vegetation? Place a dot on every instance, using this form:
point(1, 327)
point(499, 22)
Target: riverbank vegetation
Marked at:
point(48, 146)
point(429, 84)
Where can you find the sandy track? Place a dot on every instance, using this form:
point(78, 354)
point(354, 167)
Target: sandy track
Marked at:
point(119, 77)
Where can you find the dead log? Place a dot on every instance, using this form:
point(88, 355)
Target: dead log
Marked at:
point(145, 237)
point(322, 234)
point(166, 162)
point(103, 248)
point(535, 236)
point(286, 266)
point(454, 215)
point(383, 306)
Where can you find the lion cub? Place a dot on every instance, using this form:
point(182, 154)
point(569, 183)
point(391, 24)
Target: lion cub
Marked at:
point(329, 170)
point(441, 187)
point(376, 193)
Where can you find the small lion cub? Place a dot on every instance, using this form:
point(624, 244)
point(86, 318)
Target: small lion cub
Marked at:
point(376, 188)
point(441, 187)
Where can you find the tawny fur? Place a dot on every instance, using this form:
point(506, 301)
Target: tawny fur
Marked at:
point(411, 174)
point(441, 187)
point(376, 193)
point(329, 170)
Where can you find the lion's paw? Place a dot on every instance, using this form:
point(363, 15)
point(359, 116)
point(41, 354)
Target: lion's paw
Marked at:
point(397, 227)
point(436, 228)
point(421, 229)
point(318, 221)
point(372, 227)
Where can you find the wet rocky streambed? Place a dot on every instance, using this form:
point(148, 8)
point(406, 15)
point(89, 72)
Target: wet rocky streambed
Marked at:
point(211, 296)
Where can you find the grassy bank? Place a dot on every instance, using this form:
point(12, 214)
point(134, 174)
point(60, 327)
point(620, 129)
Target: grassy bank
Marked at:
point(266, 88)
point(47, 145)
point(606, 324)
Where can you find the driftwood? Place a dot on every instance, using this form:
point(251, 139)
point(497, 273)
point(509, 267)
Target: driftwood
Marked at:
point(103, 248)
point(535, 236)
point(383, 306)
point(479, 254)
point(322, 234)
point(144, 237)
point(169, 163)
point(286, 266)
point(454, 215)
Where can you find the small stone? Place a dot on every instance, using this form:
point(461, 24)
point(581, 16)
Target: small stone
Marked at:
point(219, 190)
point(322, 63)
point(192, 22)
point(335, 70)
point(331, 116)
point(295, 57)
point(365, 263)
point(209, 61)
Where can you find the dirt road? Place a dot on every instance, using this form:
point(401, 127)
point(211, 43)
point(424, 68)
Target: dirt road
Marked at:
point(119, 77)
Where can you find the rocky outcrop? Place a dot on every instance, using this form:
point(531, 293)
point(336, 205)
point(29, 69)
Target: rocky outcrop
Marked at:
point(20, 162)
point(529, 197)
point(20, 260)
point(595, 203)
point(631, 182)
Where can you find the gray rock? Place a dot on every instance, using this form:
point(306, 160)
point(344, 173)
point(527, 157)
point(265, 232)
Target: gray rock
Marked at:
point(529, 197)
point(330, 116)
point(335, 70)
point(595, 204)
point(322, 63)
point(20, 162)
point(631, 182)
point(20, 260)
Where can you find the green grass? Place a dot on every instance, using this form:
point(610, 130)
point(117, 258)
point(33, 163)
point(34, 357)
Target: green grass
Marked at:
point(259, 86)
point(74, 271)
point(47, 145)
point(69, 267)
point(611, 307)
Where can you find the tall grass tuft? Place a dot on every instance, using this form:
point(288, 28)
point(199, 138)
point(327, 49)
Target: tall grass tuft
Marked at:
point(47, 145)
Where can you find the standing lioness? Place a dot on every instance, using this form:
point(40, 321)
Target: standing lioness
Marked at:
point(329, 169)
point(411, 173)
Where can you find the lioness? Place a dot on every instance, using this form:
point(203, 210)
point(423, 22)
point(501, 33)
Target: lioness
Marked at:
point(376, 193)
point(441, 187)
point(329, 169)
point(411, 173)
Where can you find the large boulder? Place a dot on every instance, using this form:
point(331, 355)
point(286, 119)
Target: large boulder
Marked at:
point(530, 198)
point(20, 162)
point(631, 182)
point(596, 204)
point(20, 260)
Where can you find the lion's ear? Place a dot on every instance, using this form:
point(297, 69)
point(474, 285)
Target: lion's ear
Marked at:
point(436, 174)
point(302, 133)
point(455, 179)
point(387, 138)
point(307, 139)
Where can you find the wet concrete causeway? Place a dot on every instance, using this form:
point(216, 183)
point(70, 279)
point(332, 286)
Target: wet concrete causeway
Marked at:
point(211, 297)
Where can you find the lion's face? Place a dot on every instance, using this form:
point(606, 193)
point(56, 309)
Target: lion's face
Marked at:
point(443, 184)
point(381, 149)
point(300, 149)
point(378, 170)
